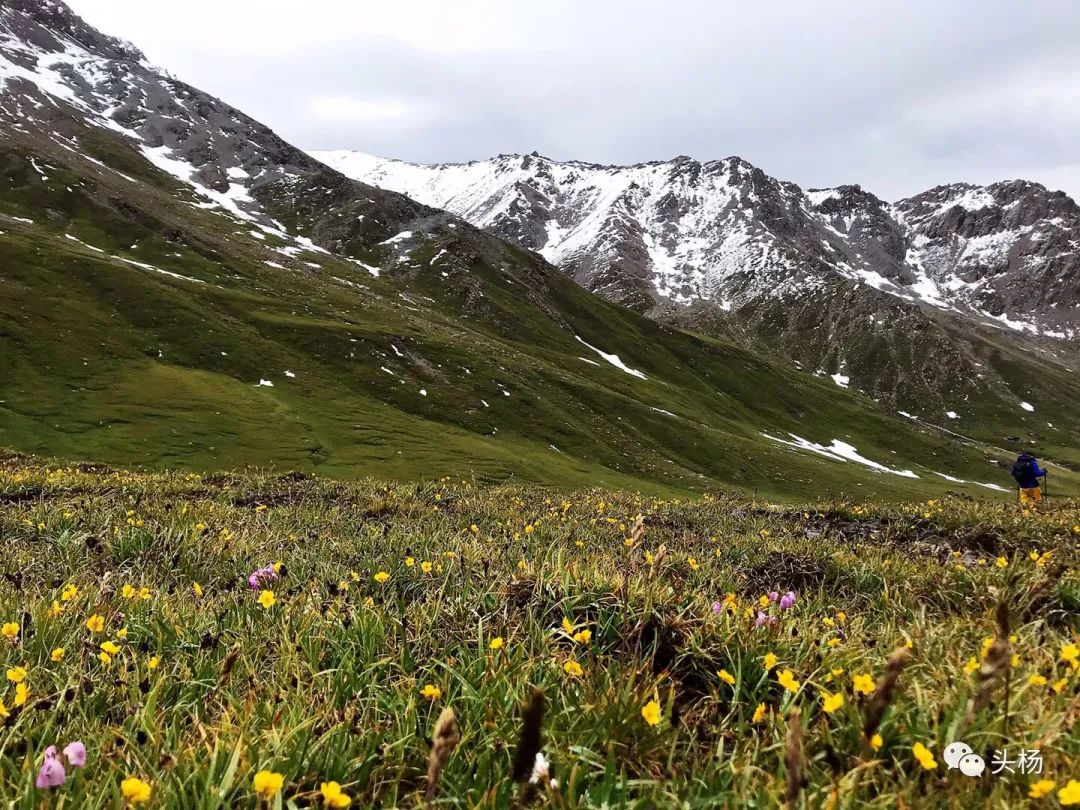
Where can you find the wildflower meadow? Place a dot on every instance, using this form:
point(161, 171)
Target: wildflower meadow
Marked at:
point(254, 639)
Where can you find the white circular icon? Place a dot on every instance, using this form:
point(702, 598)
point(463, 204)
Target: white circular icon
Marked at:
point(955, 752)
point(972, 765)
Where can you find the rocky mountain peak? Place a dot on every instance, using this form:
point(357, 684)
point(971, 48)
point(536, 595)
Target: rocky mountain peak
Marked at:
point(55, 17)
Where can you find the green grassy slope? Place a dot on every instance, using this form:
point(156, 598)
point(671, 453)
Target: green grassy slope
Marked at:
point(463, 358)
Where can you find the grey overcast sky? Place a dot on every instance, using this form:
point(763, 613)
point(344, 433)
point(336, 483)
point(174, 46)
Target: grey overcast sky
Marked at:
point(897, 95)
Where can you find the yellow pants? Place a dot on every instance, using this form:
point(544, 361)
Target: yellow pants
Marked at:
point(1030, 495)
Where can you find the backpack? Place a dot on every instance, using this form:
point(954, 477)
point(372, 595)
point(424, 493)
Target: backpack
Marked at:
point(1021, 470)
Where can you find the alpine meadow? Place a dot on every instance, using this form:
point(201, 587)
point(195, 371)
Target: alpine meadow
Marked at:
point(330, 480)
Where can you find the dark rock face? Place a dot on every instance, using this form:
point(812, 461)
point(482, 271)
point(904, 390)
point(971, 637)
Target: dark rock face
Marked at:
point(39, 21)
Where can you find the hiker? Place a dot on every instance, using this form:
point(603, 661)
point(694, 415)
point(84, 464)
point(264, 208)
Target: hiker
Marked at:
point(1027, 473)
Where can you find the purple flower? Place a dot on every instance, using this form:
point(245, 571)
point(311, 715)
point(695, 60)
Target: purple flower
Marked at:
point(764, 618)
point(262, 576)
point(717, 607)
point(75, 752)
point(774, 596)
point(52, 770)
point(787, 600)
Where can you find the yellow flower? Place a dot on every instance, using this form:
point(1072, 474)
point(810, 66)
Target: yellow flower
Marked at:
point(267, 599)
point(55, 609)
point(128, 592)
point(3, 710)
point(381, 577)
point(770, 661)
point(692, 563)
point(110, 648)
point(763, 600)
point(410, 562)
point(96, 623)
point(496, 643)
point(583, 636)
point(726, 677)
point(1041, 788)
point(828, 622)
point(876, 742)
point(197, 588)
point(104, 658)
point(971, 665)
point(787, 680)
point(1001, 562)
point(926, 759)
point(16, 674)
point(69, 593)
point(841, 617)
point(1070, 653)
point(651, 712)
point(1070, 794)
point(22, 692)
point(154, 662)
point(1037, 680)
point(1059, 687)
point(431, 692)
point(759, 714)
point(573, 669)
point(144, 592)
point(333, 796)
point(267, 783)
point(832, 642)
point(135, 790)
point(567, 627)
point(830, 702)
point(425, 566)
point(863, 684)
point(122, 633)
point(10, 631)
point(57, 654)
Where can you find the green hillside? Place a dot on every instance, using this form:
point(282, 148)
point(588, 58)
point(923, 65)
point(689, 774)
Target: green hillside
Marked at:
point(137, 325)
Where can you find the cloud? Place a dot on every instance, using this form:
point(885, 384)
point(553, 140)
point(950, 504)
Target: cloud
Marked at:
point(897, 95)
point(339, 108)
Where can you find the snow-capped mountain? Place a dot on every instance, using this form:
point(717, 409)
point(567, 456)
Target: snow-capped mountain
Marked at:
point(61, 81)
point(683, 231)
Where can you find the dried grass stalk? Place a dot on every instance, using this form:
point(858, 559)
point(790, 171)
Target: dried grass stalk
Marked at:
point(443, 743)
point(882, 696)
point(793, 757)
point(529, 744)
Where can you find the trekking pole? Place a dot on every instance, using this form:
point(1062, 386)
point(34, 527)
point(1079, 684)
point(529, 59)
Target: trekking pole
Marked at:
point(1045, 489)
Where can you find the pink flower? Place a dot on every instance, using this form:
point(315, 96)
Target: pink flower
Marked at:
point(763, 618)
point(774, 596)
point(75, 752)
point(717, 607)
point(787, 600)
point(261, 576)
point(52, 770)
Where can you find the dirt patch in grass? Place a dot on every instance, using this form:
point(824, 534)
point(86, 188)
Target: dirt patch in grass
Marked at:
point(783, 570)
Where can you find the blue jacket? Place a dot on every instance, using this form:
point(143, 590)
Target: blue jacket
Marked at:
point(1030, 478)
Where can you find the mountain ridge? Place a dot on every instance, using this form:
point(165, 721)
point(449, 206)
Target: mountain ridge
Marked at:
point(909, 216)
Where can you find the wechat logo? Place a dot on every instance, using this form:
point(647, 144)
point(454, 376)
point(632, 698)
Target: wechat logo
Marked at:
point(960, 756)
